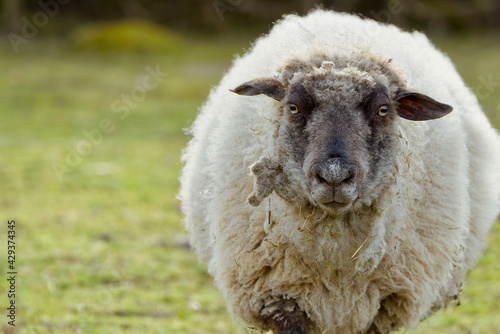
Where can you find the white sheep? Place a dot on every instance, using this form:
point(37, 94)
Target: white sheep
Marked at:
point(331, 199)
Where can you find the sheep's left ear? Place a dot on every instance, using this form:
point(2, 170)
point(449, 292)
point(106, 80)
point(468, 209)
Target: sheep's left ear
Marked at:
point(263, 85)
point(420, 107)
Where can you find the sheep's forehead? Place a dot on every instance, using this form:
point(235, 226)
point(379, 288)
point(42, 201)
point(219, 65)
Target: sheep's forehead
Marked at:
point(346, 86)
point(342, 78)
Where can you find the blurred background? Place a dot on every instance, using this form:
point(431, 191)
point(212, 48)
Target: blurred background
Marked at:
point(94, 100)
point(197, 15)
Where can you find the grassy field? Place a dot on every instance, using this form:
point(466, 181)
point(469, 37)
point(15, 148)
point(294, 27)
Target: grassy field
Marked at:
point(89, 168)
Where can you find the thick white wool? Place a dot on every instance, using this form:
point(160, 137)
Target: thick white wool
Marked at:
point(392, 267)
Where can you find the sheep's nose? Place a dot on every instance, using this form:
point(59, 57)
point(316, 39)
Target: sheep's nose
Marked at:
point(334, 183)
point(335, 172)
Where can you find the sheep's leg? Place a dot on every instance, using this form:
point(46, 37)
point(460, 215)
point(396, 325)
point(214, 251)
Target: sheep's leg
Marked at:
point(285, 317)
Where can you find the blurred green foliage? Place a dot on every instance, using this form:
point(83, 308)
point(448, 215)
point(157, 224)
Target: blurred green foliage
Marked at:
point(125, 36)
point(224, 15)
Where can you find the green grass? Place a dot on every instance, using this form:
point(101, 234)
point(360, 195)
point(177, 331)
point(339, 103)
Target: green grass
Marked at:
point(98, 252)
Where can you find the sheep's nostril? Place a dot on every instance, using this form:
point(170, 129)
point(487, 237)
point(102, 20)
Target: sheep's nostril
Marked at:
point(320, 178)
point(349, 177)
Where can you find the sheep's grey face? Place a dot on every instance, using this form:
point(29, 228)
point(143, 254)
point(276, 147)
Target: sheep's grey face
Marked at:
point(337, 140)
point(339, 134)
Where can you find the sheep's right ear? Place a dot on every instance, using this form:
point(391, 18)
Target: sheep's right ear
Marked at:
point(419, 107)
point(263, 85)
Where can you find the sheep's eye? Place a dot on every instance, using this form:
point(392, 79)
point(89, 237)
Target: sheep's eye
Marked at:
point(383, 111)
point(294, 110)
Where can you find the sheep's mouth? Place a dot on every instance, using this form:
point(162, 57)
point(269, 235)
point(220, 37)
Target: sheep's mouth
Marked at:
point(334, 199)
point(335, 208)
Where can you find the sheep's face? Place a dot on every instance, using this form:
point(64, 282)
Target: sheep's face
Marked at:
point(337, 140)
point(338, 129)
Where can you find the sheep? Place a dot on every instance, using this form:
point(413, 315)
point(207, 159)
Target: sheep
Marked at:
point(329, 186)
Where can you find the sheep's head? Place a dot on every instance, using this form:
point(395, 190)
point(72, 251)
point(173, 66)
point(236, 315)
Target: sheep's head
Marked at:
point(338, 138)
